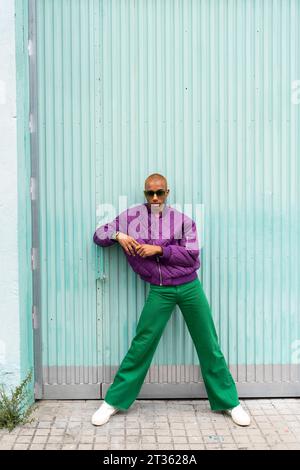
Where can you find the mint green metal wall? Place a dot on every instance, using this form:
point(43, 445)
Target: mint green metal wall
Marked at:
point(197, 90)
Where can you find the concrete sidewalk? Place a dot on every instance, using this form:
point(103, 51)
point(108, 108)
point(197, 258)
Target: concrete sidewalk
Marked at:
point(158, 424)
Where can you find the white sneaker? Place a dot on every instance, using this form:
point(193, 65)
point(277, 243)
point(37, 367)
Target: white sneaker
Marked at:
point(239, 415)
point(102, 415)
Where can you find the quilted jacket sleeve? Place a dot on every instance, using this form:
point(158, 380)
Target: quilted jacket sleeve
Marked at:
point(187, 252)
point(102, 235)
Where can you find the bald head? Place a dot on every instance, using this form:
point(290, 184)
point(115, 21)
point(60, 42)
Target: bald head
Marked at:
point(157, 179)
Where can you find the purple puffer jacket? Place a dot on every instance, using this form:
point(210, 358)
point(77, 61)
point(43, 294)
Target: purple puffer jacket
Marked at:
point(174, 231)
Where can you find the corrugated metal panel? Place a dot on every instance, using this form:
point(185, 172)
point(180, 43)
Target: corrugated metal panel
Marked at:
point(66, 114)
point(201, 92)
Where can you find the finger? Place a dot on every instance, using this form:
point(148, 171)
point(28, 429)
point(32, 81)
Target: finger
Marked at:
point(133, 248)
point(127, 249)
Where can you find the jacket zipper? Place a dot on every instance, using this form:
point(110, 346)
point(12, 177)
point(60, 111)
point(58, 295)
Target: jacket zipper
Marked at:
point(160, 276)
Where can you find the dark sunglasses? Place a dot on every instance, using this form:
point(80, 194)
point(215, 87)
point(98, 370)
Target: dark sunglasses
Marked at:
point(159, 193)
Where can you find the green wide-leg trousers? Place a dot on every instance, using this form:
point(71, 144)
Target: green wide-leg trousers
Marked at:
point(160, 303)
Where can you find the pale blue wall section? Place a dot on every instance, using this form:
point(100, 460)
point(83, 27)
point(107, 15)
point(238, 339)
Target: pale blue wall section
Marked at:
point(16, 348)
point(200, 91)
point(9, 278)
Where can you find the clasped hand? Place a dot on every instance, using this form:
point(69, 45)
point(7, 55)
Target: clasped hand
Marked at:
point(132, 247)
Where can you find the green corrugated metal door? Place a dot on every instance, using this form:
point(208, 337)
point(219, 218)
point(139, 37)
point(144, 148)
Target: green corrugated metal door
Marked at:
point(201, 91)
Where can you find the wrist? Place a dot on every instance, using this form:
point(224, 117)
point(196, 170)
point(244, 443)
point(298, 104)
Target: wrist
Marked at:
point(159, 250)
point(115, 235)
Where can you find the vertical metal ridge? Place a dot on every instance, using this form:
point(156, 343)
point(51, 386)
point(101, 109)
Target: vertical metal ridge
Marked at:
point(81, 54)
point(92, 377)
point(80, 166)
point(295, 43)
point(53, 200)
point(58, 179)
point(68, 153)
point(63, 262)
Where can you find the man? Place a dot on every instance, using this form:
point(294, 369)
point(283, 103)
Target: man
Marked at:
point(161, 245)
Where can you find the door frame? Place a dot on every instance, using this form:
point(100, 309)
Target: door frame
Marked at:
point(35, 201)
